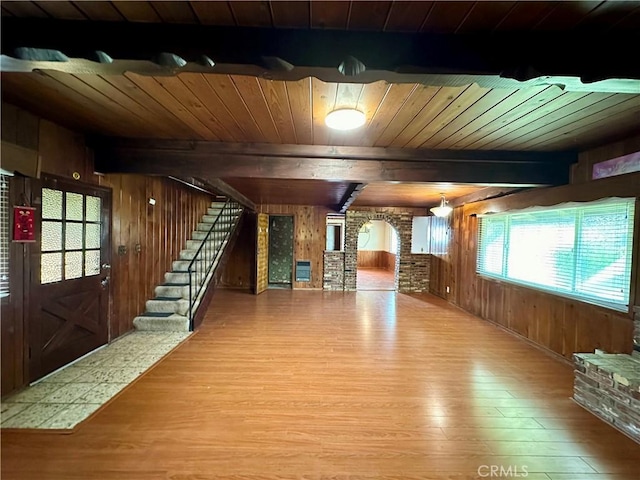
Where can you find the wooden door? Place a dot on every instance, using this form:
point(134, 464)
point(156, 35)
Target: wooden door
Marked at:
point(262, 252)
point(69, 286)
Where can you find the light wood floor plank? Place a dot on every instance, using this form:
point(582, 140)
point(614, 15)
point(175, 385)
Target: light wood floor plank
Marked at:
point(331, 385)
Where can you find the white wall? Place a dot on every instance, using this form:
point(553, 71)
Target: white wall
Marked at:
point(378, 238)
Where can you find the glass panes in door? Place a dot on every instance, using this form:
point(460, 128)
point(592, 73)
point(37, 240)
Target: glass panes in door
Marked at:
point(71, 233)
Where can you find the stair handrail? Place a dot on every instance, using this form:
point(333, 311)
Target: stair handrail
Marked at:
point(210, 252)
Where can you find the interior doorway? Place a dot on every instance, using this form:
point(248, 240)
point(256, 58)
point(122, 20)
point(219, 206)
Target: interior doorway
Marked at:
point(280, 265)
point(378, 255)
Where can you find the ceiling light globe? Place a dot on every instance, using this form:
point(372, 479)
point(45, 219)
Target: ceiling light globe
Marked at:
point(345, 119)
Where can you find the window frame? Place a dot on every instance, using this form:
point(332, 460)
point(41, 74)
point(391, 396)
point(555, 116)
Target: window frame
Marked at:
point(632, 202)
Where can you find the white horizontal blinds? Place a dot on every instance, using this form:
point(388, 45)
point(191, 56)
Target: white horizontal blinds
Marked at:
point(492, 245)
point(604, 244)
point(541, 248)
point(580, 251)
point(4, 235)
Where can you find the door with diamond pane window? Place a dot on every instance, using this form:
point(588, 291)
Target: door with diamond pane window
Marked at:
point(69, 287)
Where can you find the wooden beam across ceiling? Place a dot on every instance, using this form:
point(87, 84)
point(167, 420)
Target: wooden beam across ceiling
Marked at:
point(353, 164)
point(505, 60)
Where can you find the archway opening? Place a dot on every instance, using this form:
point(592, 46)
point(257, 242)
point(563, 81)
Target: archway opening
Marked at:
point(378, 256)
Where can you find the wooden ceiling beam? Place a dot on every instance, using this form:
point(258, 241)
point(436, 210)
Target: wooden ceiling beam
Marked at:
point(349, 196)
point(492, 168)
point(506, 60)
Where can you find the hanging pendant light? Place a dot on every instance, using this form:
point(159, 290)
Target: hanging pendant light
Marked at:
point(443, 209)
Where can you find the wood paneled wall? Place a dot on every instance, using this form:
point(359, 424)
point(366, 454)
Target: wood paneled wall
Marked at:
point(310, 233)
point(581, 171)
point(559, 324)
point(160, 230)
point(240, 270)
point(376, 259)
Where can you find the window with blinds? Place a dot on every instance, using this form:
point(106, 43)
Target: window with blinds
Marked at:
point(582, 251)
point(4, 235)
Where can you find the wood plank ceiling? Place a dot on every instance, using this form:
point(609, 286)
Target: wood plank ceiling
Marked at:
point(248, 109)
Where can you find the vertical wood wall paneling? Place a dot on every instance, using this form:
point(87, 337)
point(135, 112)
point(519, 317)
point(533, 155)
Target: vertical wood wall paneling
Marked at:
point(240, 271)
point(559, 324)
point(161, 231)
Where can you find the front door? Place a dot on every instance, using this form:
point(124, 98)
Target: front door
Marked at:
point(69, 286)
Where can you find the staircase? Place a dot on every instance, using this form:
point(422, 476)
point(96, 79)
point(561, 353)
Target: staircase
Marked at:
point(178, 298)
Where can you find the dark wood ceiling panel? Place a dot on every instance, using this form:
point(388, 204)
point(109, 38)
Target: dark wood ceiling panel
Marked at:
point(384, 194)
point(431, 109)
point(213, 13)
point(275, 95)
point(24, 9)
point(53, 101)
point(393, 101)
point(407, 16)
point(294, 192)
point(226, 125)
point(62, 10)
point(446, 17)
point(252, 13)
point(484, 17)
point(607, 15)
point(558, 117)
point(491, 114)
point(137, 11)
point(155, 90)
point(629, 22)
point(420, 97)
point(459, 106)
point(524, 16)
point(121, 104)
point(291, 14)
point(148, 102)
point(227, 91)
point(506, 120)
point(299, 94)
point(100, 11)
point(367, 15)
point(82, 93)
point(174, 11)
point(252, 94)
point(192, 107)
point(568, 125)
point(566, 15)
point(541, 108)
point(332, 15)
point(489, 100)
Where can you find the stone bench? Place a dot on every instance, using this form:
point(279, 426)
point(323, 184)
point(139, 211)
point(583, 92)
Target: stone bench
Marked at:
point(608, 385)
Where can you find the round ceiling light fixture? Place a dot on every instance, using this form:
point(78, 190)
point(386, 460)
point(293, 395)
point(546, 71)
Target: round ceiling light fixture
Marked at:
point(345, 119)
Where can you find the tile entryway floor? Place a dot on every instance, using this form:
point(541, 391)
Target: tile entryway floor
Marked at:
point(70, 395)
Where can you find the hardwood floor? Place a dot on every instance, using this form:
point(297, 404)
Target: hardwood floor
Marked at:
point(308, 384)
point(375, 279)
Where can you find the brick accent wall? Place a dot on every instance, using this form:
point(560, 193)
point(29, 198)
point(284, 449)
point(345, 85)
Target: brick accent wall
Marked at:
point(333, 271)
point(608, 385)
point(412, 271)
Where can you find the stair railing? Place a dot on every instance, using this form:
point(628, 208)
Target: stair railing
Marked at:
point(202, 265)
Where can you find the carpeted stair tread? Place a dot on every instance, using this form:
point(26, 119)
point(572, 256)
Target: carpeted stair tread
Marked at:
point(168, 299)
point(169, 284)
point(156, 314)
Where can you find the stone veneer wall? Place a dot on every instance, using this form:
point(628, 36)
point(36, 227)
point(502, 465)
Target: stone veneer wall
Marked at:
point(608, 385)
point(412, 271)
point(333, 270)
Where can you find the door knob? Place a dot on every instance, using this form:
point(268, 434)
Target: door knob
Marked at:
point(104, 282)
point(106, 266)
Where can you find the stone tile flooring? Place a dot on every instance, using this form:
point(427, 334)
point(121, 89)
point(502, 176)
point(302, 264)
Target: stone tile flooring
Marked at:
point(68, 396)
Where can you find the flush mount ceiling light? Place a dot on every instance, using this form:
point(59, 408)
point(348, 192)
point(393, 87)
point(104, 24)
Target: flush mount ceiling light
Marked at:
point(345, 119)
point(443, 209)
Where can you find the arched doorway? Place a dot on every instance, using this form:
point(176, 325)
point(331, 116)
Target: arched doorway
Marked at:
point(378, 256)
